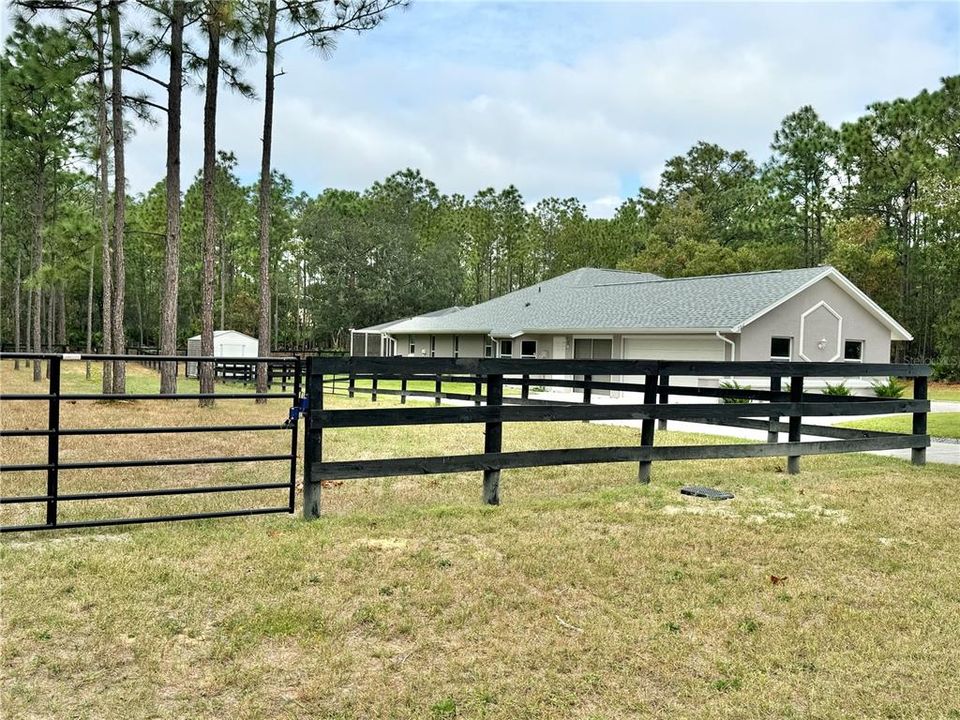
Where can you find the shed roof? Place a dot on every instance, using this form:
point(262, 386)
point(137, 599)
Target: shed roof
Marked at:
point(613, 300)
point(220, 333)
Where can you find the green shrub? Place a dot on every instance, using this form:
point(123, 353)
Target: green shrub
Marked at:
point(947, 369)
point(889, 388)
point(734, 385)
point(840, 389)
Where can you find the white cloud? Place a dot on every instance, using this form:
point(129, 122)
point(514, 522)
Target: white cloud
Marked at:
point(582, 120)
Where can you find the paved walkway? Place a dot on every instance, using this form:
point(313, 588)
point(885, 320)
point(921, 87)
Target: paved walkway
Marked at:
point(938, 452)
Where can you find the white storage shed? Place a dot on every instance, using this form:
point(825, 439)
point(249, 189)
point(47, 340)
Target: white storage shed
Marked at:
point(226, 344)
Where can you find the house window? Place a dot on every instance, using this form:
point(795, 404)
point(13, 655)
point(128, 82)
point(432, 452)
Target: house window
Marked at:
point(853, 350)
point(413, 345)
point(506, 348)
point(488, 347)
point(528, 348)
point(780, 348)
point(433, 346)
point(456, 346)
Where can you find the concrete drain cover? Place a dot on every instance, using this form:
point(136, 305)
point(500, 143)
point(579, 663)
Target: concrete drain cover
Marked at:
point(705, 492)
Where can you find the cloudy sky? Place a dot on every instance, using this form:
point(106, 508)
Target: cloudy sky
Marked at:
point(583, 99)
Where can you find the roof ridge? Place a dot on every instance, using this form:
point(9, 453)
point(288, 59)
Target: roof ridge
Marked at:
point(725, 275)
point(618, 270)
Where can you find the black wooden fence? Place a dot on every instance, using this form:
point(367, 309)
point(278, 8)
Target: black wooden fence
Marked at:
point(54, 465)
point(487, 404)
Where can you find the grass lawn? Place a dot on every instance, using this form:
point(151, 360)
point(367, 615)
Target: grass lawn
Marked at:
point(944, 391)
point(584, 595)
point(945, 425)
point(947, 392)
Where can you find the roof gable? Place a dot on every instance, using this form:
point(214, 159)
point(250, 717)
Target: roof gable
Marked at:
point(897, 331)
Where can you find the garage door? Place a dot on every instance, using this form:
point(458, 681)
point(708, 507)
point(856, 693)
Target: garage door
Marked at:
point(646, 348)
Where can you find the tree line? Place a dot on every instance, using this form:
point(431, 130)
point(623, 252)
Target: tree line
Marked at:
point(72, 94)
point(86, 266)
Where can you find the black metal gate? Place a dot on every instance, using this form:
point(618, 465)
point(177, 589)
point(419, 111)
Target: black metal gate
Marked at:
point(55, 464)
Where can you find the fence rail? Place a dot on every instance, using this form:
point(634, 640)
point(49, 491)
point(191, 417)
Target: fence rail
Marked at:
point(739, 407)
point(55, 464)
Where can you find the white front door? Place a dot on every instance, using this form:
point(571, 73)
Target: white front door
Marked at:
point(594, 349)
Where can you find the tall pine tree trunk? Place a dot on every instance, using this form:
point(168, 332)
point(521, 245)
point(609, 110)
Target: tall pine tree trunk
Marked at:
point(51, 312)
point(119, 198)
point(28, 329)
point(223, 282)
point(16, 313)
point(263, 320)
point(206, 370)
point(93, 259)
point(61, 318)
point(171, 267)
point(37, 261)
point(106, 262)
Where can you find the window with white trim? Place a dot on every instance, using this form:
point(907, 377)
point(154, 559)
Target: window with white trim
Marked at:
point(433, 346)
point(488, 347)
point(780, 348)
point(413, 345)
point(528, 349)
point(506, 348)
point(853, 350)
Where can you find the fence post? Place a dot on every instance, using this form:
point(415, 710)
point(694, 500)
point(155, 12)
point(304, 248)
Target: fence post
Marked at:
point(477, 391)
point(773, 434)
point(796, 396)
point(664, 399)
point(918, 456)
point(438, 388)
point(295, 434)
point(648, 426)
point(53, 439)
point(313, 446)
point(525, 390)
point(373, 387)
point(493, 440)
point(351, 383)
point(587, 393)
point(403, 391)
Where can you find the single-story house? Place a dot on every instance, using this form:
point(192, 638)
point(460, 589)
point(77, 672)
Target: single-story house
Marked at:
point(226, 344)
point(809, 314)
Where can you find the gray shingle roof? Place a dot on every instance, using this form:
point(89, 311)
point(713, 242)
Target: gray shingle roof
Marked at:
point(591, 298)
point(387, 325)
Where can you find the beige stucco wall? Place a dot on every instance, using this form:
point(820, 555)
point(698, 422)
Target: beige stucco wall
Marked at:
point(855, 323)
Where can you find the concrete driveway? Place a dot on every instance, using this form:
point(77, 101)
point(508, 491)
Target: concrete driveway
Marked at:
point(940, 451)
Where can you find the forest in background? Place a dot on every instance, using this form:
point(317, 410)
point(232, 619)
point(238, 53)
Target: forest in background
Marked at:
point(878, 198)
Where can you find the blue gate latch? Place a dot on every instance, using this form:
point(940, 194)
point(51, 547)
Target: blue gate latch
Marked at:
point(297, 410)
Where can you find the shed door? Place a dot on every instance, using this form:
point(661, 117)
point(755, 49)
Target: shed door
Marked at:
point(232, 350)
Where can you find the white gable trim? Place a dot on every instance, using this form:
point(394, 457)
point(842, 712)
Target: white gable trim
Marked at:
point(803, 320)
point(897, 331)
